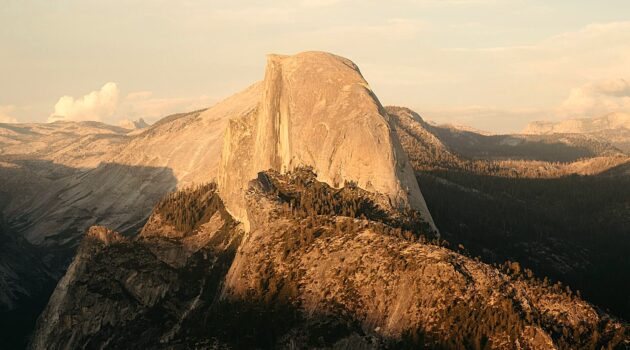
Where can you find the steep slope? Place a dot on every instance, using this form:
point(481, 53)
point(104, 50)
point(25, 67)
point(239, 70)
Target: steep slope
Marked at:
point(317, 110)
point(58, 179)
point(424, 148)
point(25, 285)
point(320, 268)
point(118, 187)
point(312, 109)
point(341, 130)
point(614, 127)
point(138, 293)
point(189, 144)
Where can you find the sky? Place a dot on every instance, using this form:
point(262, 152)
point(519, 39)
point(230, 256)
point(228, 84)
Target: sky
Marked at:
point(490, 64)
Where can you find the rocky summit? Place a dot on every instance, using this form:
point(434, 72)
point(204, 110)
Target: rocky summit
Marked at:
point(315, 109)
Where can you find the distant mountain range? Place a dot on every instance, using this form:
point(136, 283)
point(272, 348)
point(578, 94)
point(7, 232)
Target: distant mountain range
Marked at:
point(614, 127)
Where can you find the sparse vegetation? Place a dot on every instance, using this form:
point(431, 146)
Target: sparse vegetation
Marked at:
point(302, 196)
point(186, 208)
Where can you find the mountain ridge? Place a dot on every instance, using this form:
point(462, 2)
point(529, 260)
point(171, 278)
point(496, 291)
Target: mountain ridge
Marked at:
point(312, 272)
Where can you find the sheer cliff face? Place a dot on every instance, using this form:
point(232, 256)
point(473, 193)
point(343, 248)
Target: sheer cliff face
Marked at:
point(317, 110)
point(189, 145)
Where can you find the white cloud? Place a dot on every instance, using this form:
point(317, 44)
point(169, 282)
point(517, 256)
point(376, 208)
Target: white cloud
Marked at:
point(97, 105)
point(5, 114)
point(573, 74)
point(617, 88)
point(594, 99)
point(107, 105)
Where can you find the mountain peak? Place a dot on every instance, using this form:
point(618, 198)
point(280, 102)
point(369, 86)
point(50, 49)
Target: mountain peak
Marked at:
point(317, 110)
point(316, 58)
point(133, 124)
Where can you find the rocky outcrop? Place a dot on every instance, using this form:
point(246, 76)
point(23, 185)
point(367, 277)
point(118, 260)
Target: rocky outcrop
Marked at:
point(317, 110)
point(146, 292)
point(397, 287)
point(290, 282)
point(321, 268)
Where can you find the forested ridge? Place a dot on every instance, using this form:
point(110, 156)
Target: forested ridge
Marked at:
point(187, 208)
point(319, 212)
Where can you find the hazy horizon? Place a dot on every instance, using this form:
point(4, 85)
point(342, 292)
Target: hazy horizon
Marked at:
point(494, 65)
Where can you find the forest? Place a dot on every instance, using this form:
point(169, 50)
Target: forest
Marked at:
point(190, 207)
point(573, 229)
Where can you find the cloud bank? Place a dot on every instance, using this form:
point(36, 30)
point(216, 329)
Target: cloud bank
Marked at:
point(97, 105)
point(594, 99)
